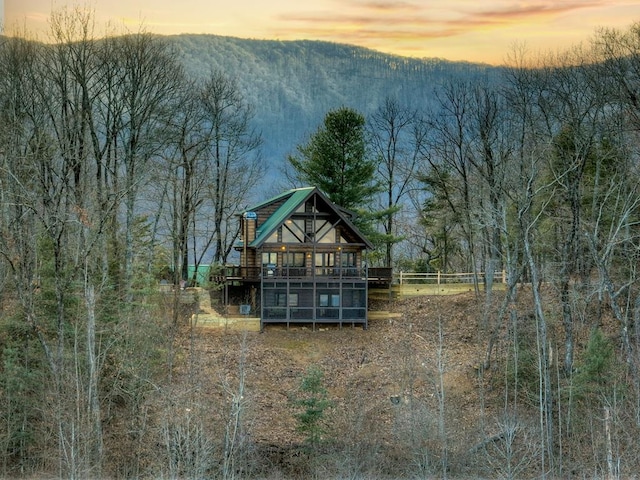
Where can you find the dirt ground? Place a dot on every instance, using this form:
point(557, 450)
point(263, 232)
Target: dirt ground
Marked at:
point(370, 374)
point(416, 379)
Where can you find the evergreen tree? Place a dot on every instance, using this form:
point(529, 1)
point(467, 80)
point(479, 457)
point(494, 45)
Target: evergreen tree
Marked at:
point(335, 160)
point(314, 402)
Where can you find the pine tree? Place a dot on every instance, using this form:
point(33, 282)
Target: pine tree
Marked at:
point(335, 160)
point(314, 402)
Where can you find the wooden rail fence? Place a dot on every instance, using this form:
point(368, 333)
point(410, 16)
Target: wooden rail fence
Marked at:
point(439, 278)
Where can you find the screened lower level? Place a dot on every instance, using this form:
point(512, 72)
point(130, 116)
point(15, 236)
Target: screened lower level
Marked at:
point(314, 302)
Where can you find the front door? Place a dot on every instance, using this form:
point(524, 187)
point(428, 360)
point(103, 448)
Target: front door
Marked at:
point(325, 263)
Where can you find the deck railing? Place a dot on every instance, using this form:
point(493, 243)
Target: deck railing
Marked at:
point(257, 273)
point(439, 278)
point(380, 274)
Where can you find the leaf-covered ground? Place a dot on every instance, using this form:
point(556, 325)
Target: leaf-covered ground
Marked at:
point(412, 392)
point(383, 381)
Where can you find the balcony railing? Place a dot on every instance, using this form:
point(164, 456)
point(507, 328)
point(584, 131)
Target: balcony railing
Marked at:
point(270, 271)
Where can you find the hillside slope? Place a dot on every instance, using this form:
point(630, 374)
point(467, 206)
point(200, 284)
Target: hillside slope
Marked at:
point(411, 397)
point(384, 382)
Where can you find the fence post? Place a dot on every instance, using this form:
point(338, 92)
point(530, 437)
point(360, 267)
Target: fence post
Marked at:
point(504, 276)
point(400, 277)
point(438, 277)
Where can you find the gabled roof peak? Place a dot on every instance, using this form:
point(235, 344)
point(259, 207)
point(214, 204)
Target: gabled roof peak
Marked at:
point(280, 197)
point(291, 200)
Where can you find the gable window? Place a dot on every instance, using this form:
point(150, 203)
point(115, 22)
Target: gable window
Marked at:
point(273, 238)
point(293, 231)
point(325, 233)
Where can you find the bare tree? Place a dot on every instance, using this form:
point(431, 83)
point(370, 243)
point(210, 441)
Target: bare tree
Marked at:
point(235, 166)
point(511, 450)
point(396, 139)
point(530, 196)
point(450, 170)
point(149, 83)
point(236, 428)
point(182, 176)
point(18, 257)
point(611, 233)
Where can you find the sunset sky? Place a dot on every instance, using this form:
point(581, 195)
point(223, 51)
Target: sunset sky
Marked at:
point(473, 30)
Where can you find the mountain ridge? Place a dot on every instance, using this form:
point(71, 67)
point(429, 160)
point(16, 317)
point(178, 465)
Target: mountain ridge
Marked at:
point(292, 84)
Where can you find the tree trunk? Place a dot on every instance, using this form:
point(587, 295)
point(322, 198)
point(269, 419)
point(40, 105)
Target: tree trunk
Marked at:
point(95, 415)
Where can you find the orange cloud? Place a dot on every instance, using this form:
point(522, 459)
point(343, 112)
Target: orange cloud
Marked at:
point(527, 12)
point(410, 15)
point(407, 26)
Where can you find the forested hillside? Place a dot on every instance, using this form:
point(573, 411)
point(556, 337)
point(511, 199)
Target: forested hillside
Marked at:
point(125, 160)
point(292, 85)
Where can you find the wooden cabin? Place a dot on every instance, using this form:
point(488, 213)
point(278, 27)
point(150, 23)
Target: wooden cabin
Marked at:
point(302, 260)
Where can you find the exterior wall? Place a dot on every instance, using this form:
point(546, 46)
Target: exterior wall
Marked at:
point(248, 228)
point(267, 211)
point(248, 258)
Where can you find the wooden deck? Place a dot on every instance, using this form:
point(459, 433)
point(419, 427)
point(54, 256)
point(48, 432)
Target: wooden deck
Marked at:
point(255, 274)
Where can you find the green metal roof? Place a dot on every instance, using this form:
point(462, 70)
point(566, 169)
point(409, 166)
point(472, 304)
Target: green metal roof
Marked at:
point(278, 197)
point(292, 200)
point(296, 197)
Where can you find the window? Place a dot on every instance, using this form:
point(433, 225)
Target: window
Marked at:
point(325, 259)
point(335, 300)
point(325, 263)
point(269, 263)
point(329, 300)
point(325, 233)
point(294, 259)
point(293, 299)
point(273, 238)
point(284, 300)
point(293, 231)
point(269, 258)
point(348, 259)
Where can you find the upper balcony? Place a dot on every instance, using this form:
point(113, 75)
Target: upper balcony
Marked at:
point(269, 272)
